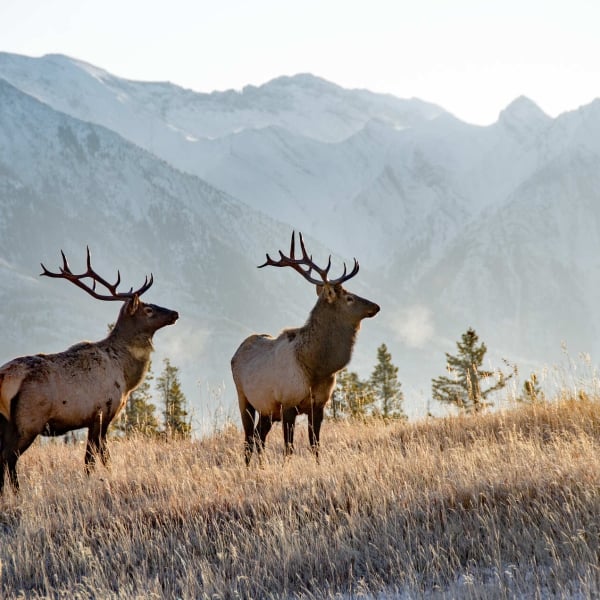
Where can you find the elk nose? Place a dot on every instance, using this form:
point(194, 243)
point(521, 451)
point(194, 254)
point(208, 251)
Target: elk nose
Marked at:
point(374, 310)
point(174, 316)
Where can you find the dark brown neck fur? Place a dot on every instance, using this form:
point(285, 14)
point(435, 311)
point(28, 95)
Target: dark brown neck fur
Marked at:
point(325, 342)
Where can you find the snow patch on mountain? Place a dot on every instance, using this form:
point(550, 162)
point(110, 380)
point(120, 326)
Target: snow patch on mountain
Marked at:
point(454, 225)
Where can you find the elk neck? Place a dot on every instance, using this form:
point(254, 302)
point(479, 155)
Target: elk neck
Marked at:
point(132, 352)
point(326, 341)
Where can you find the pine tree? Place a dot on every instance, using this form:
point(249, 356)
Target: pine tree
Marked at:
point(463, 387)
point(385, 385)
point(139, 414)
point(176, 419)
point(351, 396)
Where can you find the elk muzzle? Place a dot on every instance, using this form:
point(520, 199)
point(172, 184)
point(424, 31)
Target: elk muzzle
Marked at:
point(372, 310)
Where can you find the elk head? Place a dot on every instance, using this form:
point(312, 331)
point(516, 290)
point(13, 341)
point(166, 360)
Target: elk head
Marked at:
point(331, 293)
point(136, 318)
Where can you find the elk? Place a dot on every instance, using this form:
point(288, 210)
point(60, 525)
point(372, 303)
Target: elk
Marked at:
point(294, 373)
point(84, 386)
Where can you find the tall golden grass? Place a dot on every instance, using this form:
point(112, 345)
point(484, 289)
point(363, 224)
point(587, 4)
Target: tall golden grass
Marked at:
point(498, 505)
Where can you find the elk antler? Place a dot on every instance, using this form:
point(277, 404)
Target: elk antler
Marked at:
point(66, 273)
point(305, 265)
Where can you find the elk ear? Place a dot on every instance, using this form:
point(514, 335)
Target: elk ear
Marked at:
point(327, 292)
point(133, 304)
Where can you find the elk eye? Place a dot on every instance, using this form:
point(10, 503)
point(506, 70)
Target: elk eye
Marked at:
point(350, 299)
point(149, 312)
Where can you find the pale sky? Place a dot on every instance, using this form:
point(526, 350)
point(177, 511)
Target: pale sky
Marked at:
point(472, 57)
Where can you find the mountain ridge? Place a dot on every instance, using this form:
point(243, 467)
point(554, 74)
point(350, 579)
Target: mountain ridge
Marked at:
point(454, 225)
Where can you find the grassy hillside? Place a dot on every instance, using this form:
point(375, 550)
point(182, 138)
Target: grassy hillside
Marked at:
point(496, 505)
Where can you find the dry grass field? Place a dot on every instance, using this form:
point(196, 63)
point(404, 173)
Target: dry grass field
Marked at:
point(500, 505)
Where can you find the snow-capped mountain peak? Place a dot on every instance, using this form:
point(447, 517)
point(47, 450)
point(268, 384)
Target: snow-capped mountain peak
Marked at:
point(492, 227)
point(522, 114)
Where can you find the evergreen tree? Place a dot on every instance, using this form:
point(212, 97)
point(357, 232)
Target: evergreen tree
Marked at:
point(177, 422)
point(385, 385)
point(139, 414)
point(463, 387)
point(351, 396)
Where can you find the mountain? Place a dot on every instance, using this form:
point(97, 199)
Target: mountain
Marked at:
point(161, 112)
point(65, 184)
point(454, 225)
point(278, 140)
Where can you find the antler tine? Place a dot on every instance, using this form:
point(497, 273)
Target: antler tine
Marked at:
point(112, 287)
point(65, 267)
point(329, 266)
point(303, 247)
point(271, 262)
point(145, 286)
point(305, 265)
point(284, 261)
point(64, 270)
point(66, 273)
point(345, 277)
point(309, 259)
point(89, 266)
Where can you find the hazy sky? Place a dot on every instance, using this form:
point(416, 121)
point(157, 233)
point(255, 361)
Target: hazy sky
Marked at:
point(472, 57)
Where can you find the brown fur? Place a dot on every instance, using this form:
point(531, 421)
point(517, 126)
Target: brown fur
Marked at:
point(295, 373)
point(84, 386)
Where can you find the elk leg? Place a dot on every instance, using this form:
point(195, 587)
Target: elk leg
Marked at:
point(104, 453)
point(315, 418)
point(92, 447)
point(3, 426)
point(12, 447)
point(262, 429)
point(11, 467)
point(264, 426)
point(289, 421)
point(248, 416)
point(96, 443)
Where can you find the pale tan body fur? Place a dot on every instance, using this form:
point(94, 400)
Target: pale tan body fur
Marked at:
point(72, 388)
point(268, 376)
